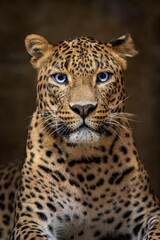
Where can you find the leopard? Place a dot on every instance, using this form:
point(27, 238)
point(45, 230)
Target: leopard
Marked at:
point(82, 177)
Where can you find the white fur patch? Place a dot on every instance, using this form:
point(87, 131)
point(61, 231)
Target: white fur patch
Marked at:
point(84, 135)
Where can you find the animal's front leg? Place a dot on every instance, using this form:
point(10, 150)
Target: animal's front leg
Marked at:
point(154, 233)
point(29, 230)
point(32, 220)
point(150, 229)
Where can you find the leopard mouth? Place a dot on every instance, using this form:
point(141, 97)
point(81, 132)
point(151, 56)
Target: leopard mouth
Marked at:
point(84, 126)
point(67, 131)
point(84, 129)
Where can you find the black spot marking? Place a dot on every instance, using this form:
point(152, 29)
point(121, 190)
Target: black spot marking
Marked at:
point(123, 149)
point(48, 153)
point(60, 160)
point(90, 177)
point(139, 218)
point(115, 158)
point(113, 177)
point(137, 228)
point(38, 205)
point(109, 220)
point(100, 182)
point(46, 169)
point(118, 226)
point(62, 177)
point(112, 146)
point(97, 233)
point(80, 177)
point(42, 216)
point(127, 214)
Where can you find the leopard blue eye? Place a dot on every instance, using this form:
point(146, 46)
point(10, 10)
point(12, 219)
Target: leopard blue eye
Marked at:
point(103, 76)
point(59, 77)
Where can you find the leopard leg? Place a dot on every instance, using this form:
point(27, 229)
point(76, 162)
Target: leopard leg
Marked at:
point(154, 233)
point(30, 231)
point(150, 229)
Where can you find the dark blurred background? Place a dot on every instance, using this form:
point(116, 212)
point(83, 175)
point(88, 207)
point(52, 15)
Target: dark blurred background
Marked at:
point(58, 20)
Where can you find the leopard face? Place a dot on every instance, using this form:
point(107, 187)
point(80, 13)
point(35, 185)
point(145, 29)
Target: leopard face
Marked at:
point(80, 85)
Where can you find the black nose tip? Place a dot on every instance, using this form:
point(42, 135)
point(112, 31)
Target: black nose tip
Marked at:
point(83, 110)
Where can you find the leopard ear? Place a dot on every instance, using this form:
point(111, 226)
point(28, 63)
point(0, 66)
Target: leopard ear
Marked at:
point(38, 48)
point(123, 47)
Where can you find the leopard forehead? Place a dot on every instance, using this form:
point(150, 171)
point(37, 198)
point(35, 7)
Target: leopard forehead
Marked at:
point(82, 56)
point(40, 49)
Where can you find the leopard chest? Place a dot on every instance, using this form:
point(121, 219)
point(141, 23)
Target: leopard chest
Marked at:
point(82, 198)
point(85, 211)
point(81, 218)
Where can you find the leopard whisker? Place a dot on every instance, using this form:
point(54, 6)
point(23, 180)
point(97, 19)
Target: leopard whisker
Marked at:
point(120, 124)
point(116, 132)
point(50, 125)
point(52, 132)
point(124, 116)
point(123, 100)
point(47, 119)
point(110, 129)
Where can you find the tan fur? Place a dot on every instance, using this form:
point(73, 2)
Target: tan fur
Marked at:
point(82, 178)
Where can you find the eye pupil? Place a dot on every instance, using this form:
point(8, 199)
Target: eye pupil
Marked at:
point(60, 77)
point(103, 76)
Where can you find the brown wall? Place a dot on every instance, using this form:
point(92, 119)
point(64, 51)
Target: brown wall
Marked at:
point(58, 20)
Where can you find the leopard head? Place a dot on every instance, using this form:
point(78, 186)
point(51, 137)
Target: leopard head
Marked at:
point(80, 84)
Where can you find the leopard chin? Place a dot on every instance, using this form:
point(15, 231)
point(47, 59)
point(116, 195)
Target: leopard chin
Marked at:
point(84, 136)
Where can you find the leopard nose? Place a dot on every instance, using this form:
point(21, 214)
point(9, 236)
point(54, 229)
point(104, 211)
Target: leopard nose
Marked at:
point(83, 110)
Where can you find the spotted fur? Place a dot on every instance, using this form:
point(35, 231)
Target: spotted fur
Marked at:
point(9, 181)
point(82, 177)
